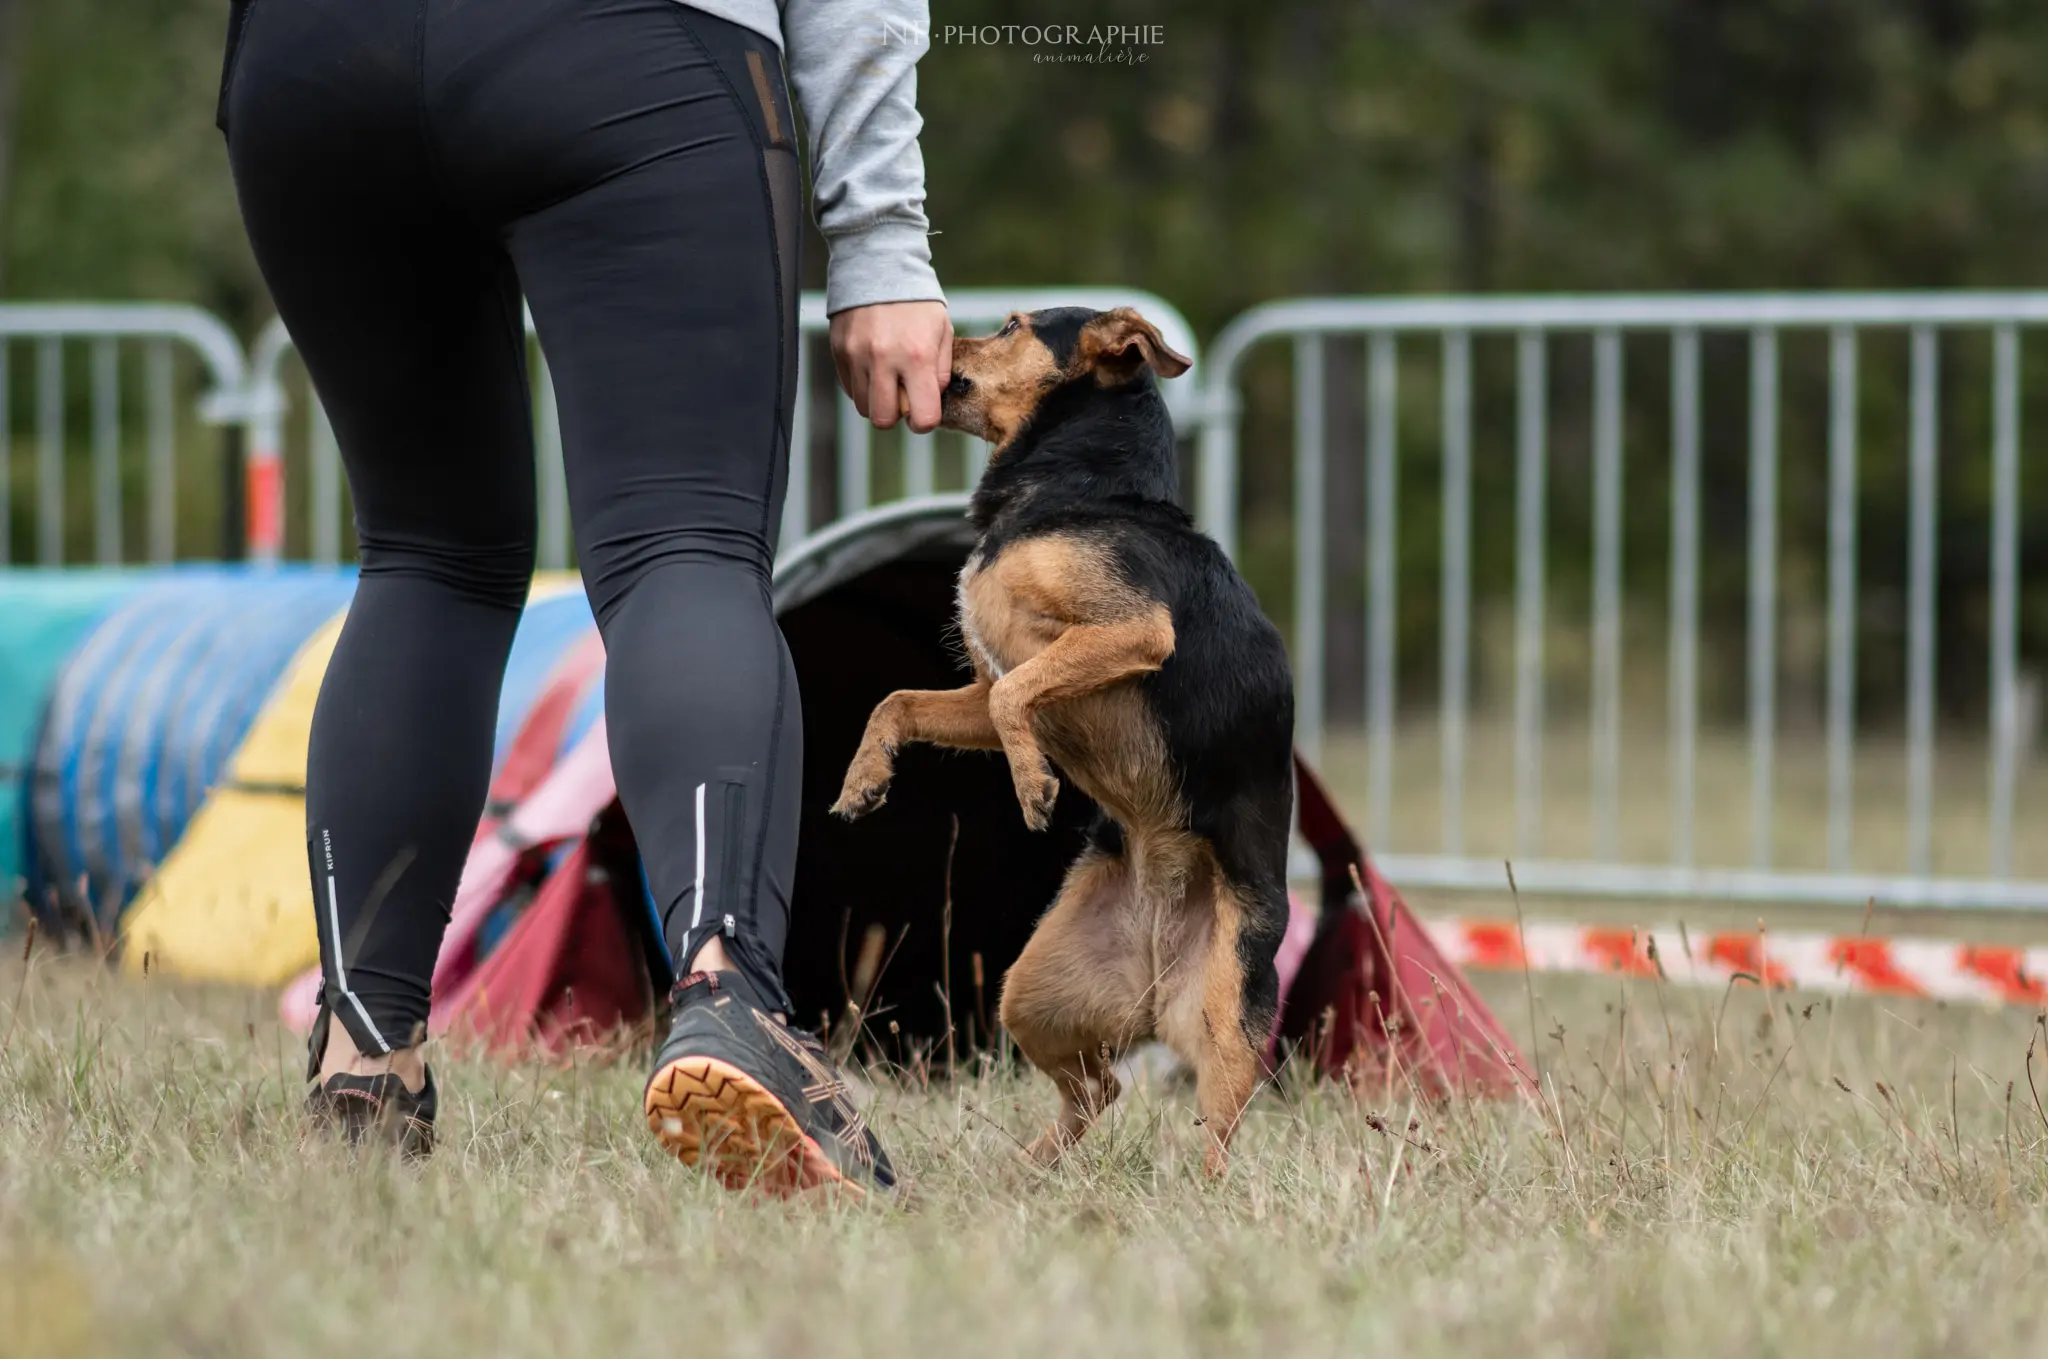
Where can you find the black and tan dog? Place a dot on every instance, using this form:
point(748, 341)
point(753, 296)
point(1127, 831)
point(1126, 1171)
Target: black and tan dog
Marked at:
point(1113, 639)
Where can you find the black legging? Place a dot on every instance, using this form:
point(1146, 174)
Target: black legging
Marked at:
point(406, 168)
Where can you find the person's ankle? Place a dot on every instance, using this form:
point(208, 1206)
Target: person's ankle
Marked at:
point(342, 1058)
point(712, 957)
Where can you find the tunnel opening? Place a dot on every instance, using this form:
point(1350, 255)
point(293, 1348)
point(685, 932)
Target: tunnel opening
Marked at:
point(869, 609)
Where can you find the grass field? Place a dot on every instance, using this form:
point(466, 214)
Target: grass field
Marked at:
point(1708, 1175)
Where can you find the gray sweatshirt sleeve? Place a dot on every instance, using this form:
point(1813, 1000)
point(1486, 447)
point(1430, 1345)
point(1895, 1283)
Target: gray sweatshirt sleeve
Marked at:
point(853, 64)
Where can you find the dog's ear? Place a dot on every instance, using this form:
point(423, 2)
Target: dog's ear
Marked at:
point(1120, 342)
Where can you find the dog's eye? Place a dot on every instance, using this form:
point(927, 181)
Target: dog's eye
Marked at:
point(1009, 328)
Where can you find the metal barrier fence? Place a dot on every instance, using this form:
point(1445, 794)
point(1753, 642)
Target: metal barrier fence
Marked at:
point(160, 332)
point(1532, 323)
point(865, 468)
point(916, 465)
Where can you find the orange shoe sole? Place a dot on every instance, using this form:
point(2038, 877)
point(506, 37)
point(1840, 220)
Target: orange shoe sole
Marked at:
point(712, 1115)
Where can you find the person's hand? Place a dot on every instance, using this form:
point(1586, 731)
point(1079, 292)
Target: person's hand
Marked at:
point(894, 358)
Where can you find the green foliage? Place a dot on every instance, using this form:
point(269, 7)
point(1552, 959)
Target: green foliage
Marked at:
point(1258, 151)
point(1465, 145)
point(1341, 146)
point(120, 186)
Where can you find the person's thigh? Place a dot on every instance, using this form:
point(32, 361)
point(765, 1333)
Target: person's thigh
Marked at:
point(403, 307)
point(638, 181)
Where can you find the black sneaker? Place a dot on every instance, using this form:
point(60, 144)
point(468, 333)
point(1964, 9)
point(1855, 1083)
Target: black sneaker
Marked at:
point(754, 1102)
point(376, 1109)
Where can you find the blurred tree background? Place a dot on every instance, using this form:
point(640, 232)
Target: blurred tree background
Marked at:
point(1345, 146)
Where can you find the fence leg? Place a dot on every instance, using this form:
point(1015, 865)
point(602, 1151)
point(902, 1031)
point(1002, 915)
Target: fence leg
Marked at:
point(234, 524)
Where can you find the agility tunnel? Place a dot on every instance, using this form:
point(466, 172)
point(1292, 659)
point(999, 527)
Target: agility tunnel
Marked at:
point(167, 813)
point(142, 717)
point(131, 702)
point(232, 902)
point(47, 613)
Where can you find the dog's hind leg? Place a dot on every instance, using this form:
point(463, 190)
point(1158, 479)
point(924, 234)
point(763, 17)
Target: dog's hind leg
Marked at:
point(1078, 996)
point(1087, 1086)
point(956, 718)
point(1220, 1013)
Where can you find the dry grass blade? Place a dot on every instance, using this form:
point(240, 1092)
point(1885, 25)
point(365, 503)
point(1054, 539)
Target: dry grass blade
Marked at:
point(867, 971)
point(28, 948)
point(946, 953)
point(1528, 981)
point(158, 1193)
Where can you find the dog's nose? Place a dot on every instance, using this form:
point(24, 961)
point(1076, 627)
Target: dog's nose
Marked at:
point(959, 385)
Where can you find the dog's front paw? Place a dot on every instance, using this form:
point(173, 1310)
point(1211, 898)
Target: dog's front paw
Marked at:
point(867, 784)
point(853, 805)
point(1037, 790)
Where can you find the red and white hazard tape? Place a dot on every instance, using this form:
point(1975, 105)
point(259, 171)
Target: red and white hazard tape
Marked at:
point(1820, 962)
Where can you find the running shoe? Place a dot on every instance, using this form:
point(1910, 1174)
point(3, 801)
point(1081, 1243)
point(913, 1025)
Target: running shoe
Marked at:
point(376, 1109)
point(755, 1103)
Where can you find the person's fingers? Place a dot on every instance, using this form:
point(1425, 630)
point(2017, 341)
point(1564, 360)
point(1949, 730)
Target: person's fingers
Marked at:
point(894, 360)
point(842, 368)
point(884, 389)
point(942, 358)
point(921, 390)
point(855, 375)
point(924, 339)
